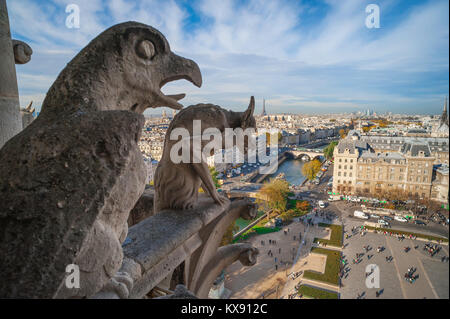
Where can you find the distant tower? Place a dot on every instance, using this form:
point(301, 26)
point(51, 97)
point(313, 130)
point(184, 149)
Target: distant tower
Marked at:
point(174, 112)
point(164, 114)
point(444, 116)
point(264, 108)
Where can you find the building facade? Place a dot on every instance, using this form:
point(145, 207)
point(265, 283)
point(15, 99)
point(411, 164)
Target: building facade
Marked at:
point(359, 169)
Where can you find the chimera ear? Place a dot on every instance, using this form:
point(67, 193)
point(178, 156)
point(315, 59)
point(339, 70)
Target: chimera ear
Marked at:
point(248, 113)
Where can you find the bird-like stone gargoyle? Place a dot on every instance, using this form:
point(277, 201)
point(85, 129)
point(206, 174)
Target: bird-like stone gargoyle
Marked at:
point(69, 180)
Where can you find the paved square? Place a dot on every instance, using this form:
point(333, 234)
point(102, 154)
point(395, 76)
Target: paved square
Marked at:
point(433, 280)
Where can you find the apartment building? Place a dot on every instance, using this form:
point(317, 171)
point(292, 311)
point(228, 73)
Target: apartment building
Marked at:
point(361, 169)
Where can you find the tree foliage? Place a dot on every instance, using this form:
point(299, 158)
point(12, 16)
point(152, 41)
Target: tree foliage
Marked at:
point(302, 205)
point(214, 174)
point(311, 168)
point(343, 132)
point(273, 195)
point(328, 151)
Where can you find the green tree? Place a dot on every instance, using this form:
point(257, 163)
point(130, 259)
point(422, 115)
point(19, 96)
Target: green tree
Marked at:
point(214, 173)
point(273, 195)
point(328, 151)
point(311, 168)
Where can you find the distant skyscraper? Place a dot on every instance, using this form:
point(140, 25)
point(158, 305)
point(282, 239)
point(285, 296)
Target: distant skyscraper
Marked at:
point(174, 112)
point(164, 114)
point(263, 113)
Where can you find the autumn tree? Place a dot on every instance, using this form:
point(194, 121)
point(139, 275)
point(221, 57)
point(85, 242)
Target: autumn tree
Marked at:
point(311, 168)
point(302, 205)
point(273, 195)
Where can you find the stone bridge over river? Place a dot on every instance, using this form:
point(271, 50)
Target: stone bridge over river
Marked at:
point(311, 154)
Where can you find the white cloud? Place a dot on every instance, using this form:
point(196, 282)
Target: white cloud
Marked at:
point(261, 48)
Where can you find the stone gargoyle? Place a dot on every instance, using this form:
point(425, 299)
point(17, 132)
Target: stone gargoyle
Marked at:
point(69, 180)
point(177, 184)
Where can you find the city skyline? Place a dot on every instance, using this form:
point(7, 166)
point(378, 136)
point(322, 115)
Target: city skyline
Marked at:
point(302, 57)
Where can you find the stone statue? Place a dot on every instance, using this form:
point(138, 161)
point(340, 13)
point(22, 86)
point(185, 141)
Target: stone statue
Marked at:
point(22, 52)
point(177, 184)
point(27, 115)
point(69, 180)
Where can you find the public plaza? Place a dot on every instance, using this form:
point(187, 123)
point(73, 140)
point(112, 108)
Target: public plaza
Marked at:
point(279, 274)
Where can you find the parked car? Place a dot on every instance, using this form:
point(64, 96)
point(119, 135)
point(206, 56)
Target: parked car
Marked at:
point(419, 222)
point(383, 222)
point(374, 216)
point(322, 204)
point(400, 219)
point(387, 218)
point(360, 214)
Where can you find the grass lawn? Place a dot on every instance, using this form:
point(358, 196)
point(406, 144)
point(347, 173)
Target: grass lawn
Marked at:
point(335, 237)
point(242, 223)
point(316, 293)
point(256, 231)
point(332, 267)
point(406, 233)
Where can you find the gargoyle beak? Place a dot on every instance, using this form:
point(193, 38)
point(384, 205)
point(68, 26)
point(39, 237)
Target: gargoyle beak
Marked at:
point(176, 68)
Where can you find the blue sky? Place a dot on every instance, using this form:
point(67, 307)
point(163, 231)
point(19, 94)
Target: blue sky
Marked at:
point(301, 56)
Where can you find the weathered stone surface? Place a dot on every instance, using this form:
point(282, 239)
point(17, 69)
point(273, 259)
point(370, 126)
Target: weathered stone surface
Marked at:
point(211, 237)
point(66, 189)
point(177, 184)
point(70, 179)
point(180, 292)
point(143, 208)
point(10, 123)
point(225, 256)
point(22, 52)
point(111, 73)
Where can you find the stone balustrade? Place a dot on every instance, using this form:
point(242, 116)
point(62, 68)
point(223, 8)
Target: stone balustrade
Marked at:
point(188, 240)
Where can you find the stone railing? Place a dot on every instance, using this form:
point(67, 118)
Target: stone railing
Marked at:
point(182, 247)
